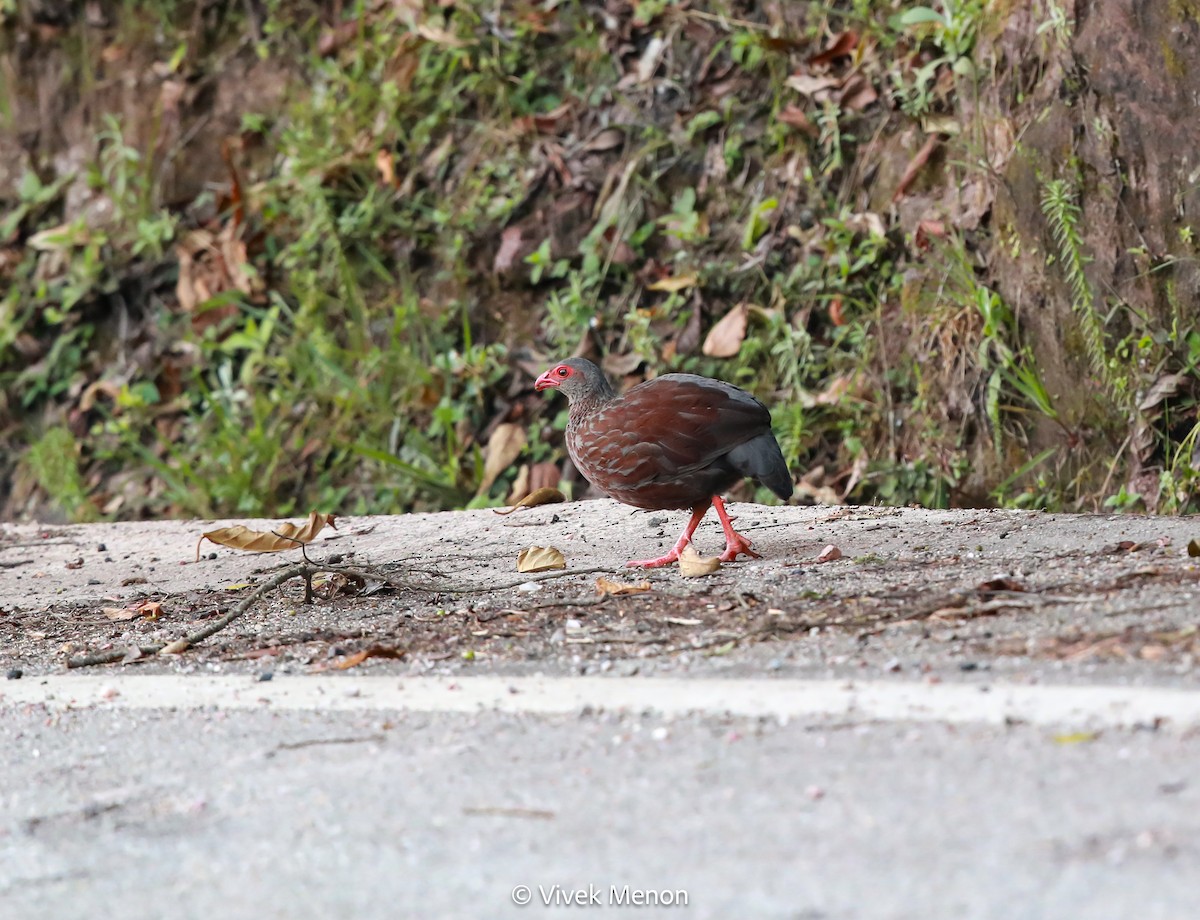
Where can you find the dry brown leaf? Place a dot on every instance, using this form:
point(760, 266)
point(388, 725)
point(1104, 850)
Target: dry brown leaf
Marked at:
point(808, 85)
point(608, 139)
point(439, 36)
point(374, 651)
point(151, 610)
point(857, 94)
point(285, 536)
point(829, 553)
point(385, 165)
point(841, 45)
point(610, 588)
point(510, 246)
point(503, 447)
point(616, 365)
point(724, 340)
point(792, 115)
point(915, 165)
point(673, 284)
point(542, 496)
point(540, 559)
point(693, 565)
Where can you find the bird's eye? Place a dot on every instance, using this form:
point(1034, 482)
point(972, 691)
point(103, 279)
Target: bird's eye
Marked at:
point(563, 372)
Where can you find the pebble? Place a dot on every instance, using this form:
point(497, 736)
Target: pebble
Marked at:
point(15, 674)
point(529, 587)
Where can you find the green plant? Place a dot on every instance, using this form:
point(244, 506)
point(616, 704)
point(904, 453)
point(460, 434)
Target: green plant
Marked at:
point(53, 460)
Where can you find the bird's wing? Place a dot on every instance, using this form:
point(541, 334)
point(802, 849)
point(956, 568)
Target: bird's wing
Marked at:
point(676, 424)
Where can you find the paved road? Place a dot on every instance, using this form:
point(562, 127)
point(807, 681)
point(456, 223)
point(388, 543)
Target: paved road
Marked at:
point(970, 715)
point(243, 810)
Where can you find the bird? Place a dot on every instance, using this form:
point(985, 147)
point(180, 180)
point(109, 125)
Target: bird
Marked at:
point(673, 442)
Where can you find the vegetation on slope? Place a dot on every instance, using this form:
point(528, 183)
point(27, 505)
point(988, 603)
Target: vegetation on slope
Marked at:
point(441, 198)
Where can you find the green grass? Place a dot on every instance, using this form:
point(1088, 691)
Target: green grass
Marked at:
point(359, 344)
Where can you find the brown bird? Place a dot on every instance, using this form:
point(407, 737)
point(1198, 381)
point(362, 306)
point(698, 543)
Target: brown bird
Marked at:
point(676, 441)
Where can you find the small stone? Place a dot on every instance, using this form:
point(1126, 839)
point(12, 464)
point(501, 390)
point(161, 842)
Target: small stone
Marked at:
point(101, 548)
point(15, 674)
point(529, 587)
point(968, 666)
point(892, 665)
point(661, 733)
point(265, 676)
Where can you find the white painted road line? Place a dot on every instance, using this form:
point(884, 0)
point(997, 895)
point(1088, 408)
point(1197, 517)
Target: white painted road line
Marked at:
point(1089, 707)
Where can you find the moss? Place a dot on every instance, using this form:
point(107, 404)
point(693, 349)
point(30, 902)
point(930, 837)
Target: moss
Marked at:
point(1173, 62)
point(1184, 10)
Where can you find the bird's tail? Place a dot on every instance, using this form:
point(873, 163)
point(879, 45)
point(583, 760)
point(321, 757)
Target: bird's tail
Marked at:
point(762, 459)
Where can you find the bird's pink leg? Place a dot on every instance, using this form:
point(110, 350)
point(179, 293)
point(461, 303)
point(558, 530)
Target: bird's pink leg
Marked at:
point(735, 543)
point(697, 515)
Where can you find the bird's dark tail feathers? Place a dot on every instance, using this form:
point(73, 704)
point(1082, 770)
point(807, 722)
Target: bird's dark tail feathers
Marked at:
point(761, 458)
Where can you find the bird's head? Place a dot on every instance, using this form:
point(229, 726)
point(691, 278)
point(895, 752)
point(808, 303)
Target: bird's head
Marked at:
point(575, 378)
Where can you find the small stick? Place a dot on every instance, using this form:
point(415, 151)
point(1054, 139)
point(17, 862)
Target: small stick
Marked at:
point(306, 570)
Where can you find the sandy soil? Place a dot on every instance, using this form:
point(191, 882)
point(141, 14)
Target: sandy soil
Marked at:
point(950, 594)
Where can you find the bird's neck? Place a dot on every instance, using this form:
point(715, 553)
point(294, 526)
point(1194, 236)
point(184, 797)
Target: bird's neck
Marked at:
point(583, 406)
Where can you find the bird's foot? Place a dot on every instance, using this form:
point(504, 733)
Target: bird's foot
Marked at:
point(735, 545)
point(672, 556)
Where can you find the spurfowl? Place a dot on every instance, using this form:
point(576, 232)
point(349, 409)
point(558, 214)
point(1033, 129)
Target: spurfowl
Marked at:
point(676, 441)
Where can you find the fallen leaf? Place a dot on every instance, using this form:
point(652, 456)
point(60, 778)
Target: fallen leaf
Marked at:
point(693, 565)
point(651, 56)
point(608, 587)
point(608, 139)
point(927, 231)
point(841, 45)
point(510, 246)
point(374, 651)
point(915, 165)
point(178, 647)
point(724, 340)
point(837, 315)
point(616, 365)
point(503, 447)
point(540, 559)
point(286, 536)
point(1164, 388)
point(151, 610)
point(857, 94)
point(385, 165)
point(808, 85)
point(542, 496)
point(673, 284)
point(793, 116)
point(439, 36)
point(829, 554)
point(1193, 548)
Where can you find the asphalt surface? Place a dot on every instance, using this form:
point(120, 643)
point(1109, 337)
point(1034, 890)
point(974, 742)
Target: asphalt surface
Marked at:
point(138, 813)
point(969, 714)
